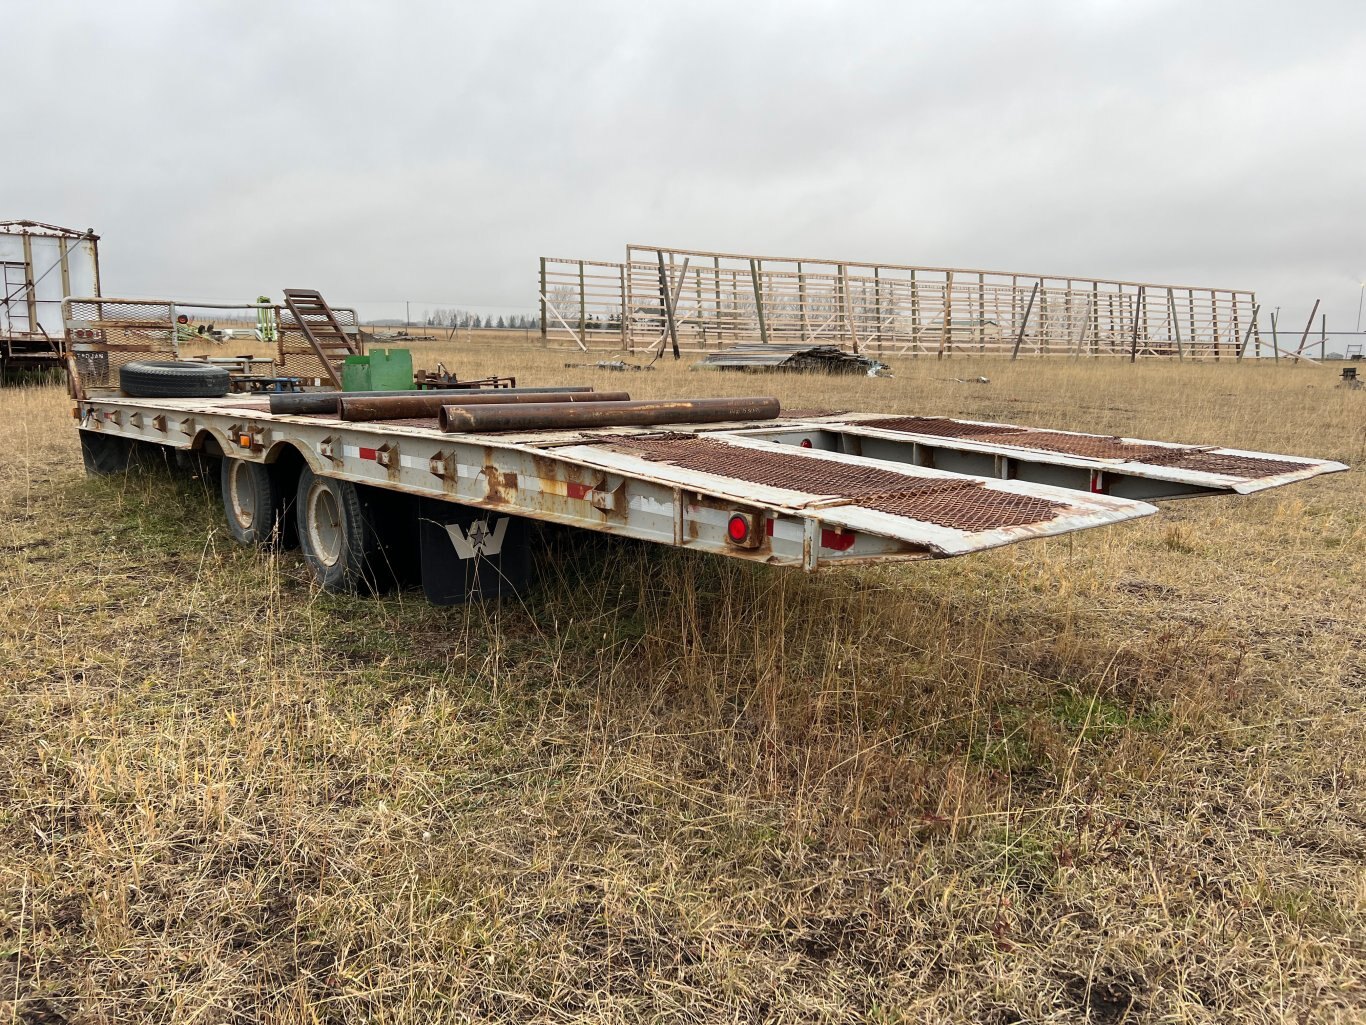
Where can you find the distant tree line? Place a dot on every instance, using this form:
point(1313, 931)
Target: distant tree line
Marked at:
point(465, 319)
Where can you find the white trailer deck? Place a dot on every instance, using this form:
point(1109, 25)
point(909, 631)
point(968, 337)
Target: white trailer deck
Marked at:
point(823, 489)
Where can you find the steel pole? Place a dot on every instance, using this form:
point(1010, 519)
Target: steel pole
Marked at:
point(403, 407)
point(553, 416)
point(326, 401)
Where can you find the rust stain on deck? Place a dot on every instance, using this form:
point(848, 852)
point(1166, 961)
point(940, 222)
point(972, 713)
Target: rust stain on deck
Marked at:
point(965, 504)
point(1087, 446)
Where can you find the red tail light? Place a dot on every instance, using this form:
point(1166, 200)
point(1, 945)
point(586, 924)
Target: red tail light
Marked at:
point(744, 530)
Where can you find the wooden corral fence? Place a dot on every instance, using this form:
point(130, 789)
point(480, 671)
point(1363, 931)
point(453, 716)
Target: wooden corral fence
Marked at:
point(705, 300)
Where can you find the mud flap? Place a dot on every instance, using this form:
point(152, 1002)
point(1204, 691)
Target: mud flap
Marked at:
point(471, 554)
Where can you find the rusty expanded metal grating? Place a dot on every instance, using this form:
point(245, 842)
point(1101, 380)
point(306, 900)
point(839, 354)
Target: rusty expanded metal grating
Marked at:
point(812, 476)
point(118, 333)
point(147, 314)
point(300, 363)
point(969, 508)
point(295, 352)
point(1249, 467)
point(1089, 446)
point(346, 317)
point(102, 335)
point(297, 358)
point(936, 426)
point(960, 504)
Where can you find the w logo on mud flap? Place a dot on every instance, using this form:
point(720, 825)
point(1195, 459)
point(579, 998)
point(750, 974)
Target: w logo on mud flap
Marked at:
point(478, 540)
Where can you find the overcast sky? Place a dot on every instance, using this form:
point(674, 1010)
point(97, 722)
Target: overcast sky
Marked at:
point(432, 151)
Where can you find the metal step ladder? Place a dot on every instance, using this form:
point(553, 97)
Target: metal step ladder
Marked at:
point(319, 325)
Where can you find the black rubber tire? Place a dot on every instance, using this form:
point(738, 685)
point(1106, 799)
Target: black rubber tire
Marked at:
point(105, 454)
point(173, 379)
point(194, 463)
point(336, 535)
point(149, 455)
point(252, 502)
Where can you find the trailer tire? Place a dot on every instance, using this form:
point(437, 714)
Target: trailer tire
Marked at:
point(335, 533)
point(170, 379)
point(252, 502)
point(105, 454)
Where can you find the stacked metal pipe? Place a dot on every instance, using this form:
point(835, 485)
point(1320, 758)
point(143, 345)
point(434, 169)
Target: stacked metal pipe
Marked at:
point(542, 416)
point(328, 401)
point(396, 407)
point(525, 409)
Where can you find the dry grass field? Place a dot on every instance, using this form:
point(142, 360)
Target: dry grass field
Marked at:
point(1113, 777)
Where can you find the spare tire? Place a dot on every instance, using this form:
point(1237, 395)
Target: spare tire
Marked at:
point(170, 379)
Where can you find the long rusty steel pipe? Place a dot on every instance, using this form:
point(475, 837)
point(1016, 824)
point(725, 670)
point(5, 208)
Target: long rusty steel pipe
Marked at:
point(540, 416)
point(401, 407)
point(326, 401)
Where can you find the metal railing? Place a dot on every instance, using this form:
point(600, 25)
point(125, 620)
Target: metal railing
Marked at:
point(102, 334)
point(708, 300)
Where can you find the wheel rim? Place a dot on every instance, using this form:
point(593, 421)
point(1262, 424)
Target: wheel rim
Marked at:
point(324, 524)
point(242, 494)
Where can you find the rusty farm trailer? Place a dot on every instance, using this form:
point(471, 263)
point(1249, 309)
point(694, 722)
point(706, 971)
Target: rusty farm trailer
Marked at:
point(459, 480)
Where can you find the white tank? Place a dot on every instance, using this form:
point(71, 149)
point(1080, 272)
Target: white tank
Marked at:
point(40, 265)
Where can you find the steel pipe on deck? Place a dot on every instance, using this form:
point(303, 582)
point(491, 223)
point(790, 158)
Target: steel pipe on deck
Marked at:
point(326, 401)
point(541, 416)
point(401, 407)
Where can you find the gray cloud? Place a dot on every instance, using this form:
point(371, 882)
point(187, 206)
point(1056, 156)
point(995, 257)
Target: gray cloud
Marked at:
point(424, 150)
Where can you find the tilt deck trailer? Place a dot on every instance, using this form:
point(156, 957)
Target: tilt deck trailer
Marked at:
point(807, 491)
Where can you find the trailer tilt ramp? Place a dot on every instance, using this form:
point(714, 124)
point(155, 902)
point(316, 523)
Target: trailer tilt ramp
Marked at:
point(1124, 467)
point(802, 491)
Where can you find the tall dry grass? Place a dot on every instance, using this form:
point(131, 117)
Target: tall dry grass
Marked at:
point(1112, 777)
